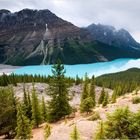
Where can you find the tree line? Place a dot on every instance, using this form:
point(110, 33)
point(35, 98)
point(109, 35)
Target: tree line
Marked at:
point(128, 80)
point(14, 79)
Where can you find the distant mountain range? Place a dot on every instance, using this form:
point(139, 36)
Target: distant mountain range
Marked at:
point(32, 37)
point(109, 35)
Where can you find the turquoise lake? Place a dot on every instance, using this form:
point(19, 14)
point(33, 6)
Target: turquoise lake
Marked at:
point(95, 69)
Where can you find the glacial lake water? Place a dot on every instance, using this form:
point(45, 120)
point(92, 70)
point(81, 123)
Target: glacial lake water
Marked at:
point(95, 69)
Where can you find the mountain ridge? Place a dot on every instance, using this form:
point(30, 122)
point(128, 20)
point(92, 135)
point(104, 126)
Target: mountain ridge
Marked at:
point(110, 35)
point(32, 37)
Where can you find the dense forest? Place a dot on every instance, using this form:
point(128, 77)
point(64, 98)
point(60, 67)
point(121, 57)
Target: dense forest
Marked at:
point(131, 76)
point(121, 82)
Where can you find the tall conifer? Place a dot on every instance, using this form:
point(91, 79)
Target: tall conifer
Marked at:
point(101, 98)
point(43, 110)
point(24, 127)
point(59, 105)
point(75, 134)
point(92, 91)
point(36, 113)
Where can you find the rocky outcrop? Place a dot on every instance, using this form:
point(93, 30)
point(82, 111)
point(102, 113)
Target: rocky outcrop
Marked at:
point(32, 35)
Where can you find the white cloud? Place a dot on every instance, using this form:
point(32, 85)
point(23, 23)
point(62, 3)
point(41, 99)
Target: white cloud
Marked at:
point(119, 13)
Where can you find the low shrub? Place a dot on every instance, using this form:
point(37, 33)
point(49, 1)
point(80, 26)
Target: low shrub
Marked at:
point(136, 100)
point(95, 116)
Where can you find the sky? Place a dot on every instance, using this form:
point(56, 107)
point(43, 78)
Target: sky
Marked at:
point(118, 13)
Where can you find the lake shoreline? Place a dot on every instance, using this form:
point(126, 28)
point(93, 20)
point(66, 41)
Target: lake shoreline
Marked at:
point(91, 69)
point(7, 69)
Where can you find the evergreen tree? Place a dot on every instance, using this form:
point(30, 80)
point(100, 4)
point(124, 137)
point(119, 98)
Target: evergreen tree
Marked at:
point(77, 80)
point(14, 82)
point(105, 101)
point(47, 131)
point(29, 112)
point(27, 103)
point(86, 105)
point(24, 127)
point(92, 91)
point(5, 80)
point(36, 113)
point(101, 98)
point(85, 88)
point(75, 134)
point(114, 96)
point(100, 135)
point(121, 124)
point(7, 112)
point(25, 100)
point(43, 110)
point(119, 90)
point(59, 105)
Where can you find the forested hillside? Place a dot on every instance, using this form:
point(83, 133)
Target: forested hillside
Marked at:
point(130, 77)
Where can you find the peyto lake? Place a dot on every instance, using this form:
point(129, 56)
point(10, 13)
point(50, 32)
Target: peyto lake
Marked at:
point(95, 69)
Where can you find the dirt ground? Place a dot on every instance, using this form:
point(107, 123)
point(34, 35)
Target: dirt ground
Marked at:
point(62, 130)
point(87, 129)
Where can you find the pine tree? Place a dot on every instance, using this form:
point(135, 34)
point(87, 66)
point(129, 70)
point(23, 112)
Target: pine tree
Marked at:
point(75, 134)
point(14, 82)
point(114, 96)
point(59, 105)
point(101, 98)
point(36, 113)
point(24, 127)
point(77, 80)
point(27, 103)
point(122, 124)
point(25, 100)
point(92, 91)
point(43, 110)
point(105, 101)
point(29, 114)
point(119, 90)
point(5, 80)
point(100, 135)
point(85, 88)
point(86, 105)
point(47, 131)
point(8, 112)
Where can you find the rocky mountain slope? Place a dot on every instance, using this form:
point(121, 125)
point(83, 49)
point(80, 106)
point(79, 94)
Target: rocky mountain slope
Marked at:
point(111, 36)
point(31, 37)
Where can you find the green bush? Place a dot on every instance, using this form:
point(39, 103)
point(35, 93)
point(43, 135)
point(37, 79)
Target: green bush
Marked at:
point(86, 105)
point(121, 124)
point(95, 116)
point(136, 100)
